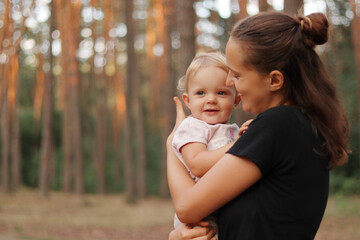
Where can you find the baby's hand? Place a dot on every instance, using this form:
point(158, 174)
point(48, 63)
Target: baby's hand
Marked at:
point(244, 127)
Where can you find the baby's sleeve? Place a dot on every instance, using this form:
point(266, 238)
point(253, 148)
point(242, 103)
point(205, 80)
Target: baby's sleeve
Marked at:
point(190, 131)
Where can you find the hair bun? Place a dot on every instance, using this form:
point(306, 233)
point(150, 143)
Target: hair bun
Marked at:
point(315, 28)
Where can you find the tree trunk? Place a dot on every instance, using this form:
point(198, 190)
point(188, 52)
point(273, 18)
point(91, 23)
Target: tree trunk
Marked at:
point(243, 9)
point(47, 125)
point(264, 6)
point(128, 155)
point(186, 22)
point(15, 138)
point(69, 27)
point(168, 90)
point(293, 7)
point(5, 146)
point(356, 41)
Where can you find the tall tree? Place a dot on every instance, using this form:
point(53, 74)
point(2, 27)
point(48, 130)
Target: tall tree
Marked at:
point(4, 105)
point(69, 25)
point(9, 98)
point(243, 9)
point(293, 7)
point(48, 119)
point(264, 6)
point(168, 89)
point(119, 95)
point(185, 24)
point(15, 132)
point(356, 41)
point(100, 92)
point(130, 71)
point(5, 138)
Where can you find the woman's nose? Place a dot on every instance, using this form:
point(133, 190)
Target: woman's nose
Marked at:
point(229, 80)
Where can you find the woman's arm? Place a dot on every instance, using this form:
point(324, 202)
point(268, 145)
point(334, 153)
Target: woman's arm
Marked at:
point(227, 179)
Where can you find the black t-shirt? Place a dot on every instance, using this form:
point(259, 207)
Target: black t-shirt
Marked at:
point(289, 201)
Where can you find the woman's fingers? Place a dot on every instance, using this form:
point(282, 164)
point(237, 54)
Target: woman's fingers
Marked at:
point(180, 114)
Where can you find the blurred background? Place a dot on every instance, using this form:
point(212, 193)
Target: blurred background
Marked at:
point(86, 86)
point(86, 91)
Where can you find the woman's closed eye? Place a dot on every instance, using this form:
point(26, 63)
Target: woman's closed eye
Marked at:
point(236, 77)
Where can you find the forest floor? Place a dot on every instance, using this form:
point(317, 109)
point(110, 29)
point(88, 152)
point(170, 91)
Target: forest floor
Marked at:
point(25, 215)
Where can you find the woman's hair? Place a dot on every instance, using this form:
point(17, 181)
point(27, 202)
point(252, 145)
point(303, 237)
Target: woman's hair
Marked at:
point(276, 41)
point(201, 60)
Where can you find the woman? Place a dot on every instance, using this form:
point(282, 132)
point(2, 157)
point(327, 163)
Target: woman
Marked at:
point(273, 183)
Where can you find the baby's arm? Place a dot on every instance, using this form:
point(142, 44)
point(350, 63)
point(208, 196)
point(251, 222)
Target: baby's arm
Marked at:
point(199, 159)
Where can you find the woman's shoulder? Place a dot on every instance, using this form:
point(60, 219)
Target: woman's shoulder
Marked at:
point(283, 112)
point(283, 117)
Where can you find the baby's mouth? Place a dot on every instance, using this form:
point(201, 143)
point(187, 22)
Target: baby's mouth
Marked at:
point(211, 110)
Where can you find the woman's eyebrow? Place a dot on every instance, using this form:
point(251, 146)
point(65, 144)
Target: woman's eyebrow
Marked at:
point(236, 73)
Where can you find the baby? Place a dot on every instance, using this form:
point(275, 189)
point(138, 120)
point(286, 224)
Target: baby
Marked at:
point(211, 103)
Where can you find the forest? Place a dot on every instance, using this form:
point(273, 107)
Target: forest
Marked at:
point(86, 86)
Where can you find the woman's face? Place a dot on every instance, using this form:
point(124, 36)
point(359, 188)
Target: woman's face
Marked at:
point(253, 87)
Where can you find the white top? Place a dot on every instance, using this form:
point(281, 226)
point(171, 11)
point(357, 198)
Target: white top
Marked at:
point(213, 136)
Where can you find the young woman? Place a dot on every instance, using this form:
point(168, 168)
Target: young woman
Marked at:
point(273, 183)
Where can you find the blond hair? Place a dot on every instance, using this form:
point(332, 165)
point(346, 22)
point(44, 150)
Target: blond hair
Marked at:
point(201, 60)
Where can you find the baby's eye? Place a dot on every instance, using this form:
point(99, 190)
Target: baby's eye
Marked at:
point(200, 93)
point(221, 93)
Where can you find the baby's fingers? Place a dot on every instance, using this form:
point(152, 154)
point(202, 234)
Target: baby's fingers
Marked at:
point(244, 127)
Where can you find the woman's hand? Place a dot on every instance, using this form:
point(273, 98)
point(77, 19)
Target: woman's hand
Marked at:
point(244, 127)
point(180, 116)
point(202, 231)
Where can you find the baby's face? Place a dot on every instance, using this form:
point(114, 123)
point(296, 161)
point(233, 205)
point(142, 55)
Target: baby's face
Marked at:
point(208, 97)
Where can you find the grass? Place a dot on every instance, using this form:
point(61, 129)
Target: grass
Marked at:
point(25, 215)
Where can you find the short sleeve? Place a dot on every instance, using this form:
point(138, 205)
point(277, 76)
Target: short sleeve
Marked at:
point(190, 130)
point(259, 142)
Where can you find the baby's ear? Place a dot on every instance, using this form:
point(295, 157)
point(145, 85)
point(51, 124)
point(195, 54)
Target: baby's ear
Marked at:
point(185, 98)
point(237, 99)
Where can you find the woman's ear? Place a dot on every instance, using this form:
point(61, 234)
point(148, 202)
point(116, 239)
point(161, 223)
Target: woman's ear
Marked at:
point(277, 80)
point(185, 98)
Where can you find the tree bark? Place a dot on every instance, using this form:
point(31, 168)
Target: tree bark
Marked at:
point(15, 132)
point(128, 154)
point(168, 90)
point(47, 124)
point(186, 22)
point(69, 27)
point(5, 146)
point(293, 7)
point(264, 6)
point(243, 9)
point(356, 42)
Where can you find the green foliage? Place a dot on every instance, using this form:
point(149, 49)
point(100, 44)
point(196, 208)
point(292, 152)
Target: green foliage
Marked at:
point(154, 146)
point(30, 142)
point(342, 184)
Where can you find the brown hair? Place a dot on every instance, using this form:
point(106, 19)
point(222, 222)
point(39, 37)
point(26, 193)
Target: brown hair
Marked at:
point(276, 41)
